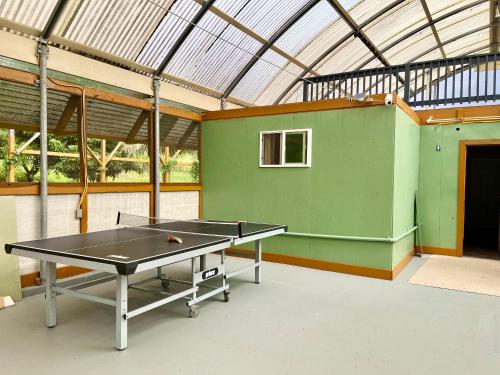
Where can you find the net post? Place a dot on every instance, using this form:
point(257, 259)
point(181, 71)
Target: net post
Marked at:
point(240, 231)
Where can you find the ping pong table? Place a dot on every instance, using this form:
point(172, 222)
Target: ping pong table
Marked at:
point(140, 244)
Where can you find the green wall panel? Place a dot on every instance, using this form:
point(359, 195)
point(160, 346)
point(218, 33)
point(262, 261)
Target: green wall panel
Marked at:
point(438, 186)
point(347, 191)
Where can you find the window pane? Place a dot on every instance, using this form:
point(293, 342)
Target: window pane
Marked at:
point(295, 148)
point(271, 149)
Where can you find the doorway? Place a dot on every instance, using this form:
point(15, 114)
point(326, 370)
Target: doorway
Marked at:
point(481, 208)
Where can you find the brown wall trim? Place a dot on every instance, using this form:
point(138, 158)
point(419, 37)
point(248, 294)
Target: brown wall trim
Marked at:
point(407, 109)
point(458, 113)
point(29, 279)
point(462, 176)
point(319, 105)
point(28, 188)
point(439, 251)
point(403, 263)
point(377, 273)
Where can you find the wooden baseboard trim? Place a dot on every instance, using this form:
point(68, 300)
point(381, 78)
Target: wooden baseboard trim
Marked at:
point(402, 264)
point(29, 279)
point(377, 273)
point(439, 251)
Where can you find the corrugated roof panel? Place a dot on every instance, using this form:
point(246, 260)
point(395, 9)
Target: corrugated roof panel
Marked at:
point(326, 39)
point(114, 26)
point(307, 28)
point(213, 58)
point(263, 17)
point(345, 58)
point(471, 42)
point(259, 76)
point(364, 9)
point(402, 20)
point(411, 47)
point(167, 33)
point(457, 25)
point(30, 13)
point(295, 95)
point(172, 130)
point(280, 82)
point(441, 7)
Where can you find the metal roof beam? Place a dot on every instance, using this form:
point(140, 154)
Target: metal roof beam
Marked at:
point(53, 19)
point(358, 31)
point(278, 34)
point(178, 43)
point(433, 27)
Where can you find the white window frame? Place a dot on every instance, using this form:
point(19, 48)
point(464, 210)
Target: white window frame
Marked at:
point(307, 149)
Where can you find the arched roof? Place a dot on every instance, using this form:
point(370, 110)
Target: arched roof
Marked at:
point(257, 52)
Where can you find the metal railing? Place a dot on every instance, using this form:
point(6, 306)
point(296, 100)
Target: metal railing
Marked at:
point(468, 79)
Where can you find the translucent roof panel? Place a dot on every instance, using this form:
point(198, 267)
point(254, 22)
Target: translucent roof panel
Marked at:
point(263, 17)
point(167, 33)
point(401, 20)
point(213, 54)
point(346, 57)
point(281, 81)
point(34, 14)
point(118, 27)
point(363, 10)
point(471, 42)
point(441, 7)
point(259, 76)
point(307, 28)
point(411, 47)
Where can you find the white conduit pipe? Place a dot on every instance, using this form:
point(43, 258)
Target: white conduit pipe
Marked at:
point(352, 238)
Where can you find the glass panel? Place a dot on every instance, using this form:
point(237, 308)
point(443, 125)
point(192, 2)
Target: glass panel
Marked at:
point(295, 148)
point(271, 149)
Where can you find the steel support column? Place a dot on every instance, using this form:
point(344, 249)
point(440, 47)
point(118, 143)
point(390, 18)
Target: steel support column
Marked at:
point(156, 145)
point(43, 52)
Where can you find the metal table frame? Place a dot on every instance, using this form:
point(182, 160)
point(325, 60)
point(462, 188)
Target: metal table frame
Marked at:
point(191, 294)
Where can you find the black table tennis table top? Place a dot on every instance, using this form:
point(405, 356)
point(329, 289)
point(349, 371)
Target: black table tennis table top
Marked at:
point(126, 248)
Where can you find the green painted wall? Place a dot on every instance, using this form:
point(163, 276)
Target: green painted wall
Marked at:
point(347, 191)
point(406, 170)
point(438, 187)
point(10, 281)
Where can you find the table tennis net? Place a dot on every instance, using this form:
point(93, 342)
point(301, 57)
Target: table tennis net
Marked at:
point(131, 220)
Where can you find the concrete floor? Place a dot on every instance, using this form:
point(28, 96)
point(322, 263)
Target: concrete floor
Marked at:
point(299, 321)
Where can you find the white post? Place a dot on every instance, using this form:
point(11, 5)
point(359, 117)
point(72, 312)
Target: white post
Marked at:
point(50, 294)
point(258, 258)
point(121, 311)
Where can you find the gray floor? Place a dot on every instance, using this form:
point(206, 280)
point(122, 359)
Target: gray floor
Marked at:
point(299, 321)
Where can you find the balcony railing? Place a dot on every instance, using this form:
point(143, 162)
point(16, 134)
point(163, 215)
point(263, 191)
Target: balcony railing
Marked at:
point(469, 79)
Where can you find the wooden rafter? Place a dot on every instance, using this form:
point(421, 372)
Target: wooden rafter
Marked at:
point(186, 135)
point(67, 114)
point(137, 126)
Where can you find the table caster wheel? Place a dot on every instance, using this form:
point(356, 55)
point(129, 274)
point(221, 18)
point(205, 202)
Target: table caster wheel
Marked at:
point(165, 283)
point(194, 311)
point(226, 296)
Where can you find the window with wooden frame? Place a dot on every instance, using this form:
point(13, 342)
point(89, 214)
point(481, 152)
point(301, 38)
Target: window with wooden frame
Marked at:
point(285, 148)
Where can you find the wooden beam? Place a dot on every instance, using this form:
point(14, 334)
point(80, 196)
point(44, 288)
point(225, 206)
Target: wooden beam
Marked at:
point(137, 126)
point(181, 113)
point(11, 148)
point(67, 114)
point(115, 150)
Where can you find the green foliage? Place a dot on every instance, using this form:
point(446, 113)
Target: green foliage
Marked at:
point(195, 171)
point(168, 167)
point(67, 169)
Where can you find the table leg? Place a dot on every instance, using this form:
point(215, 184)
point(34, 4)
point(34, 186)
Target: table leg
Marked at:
point(203, 262)
point(121, 311)
point(50, 294)
point(258, 258)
